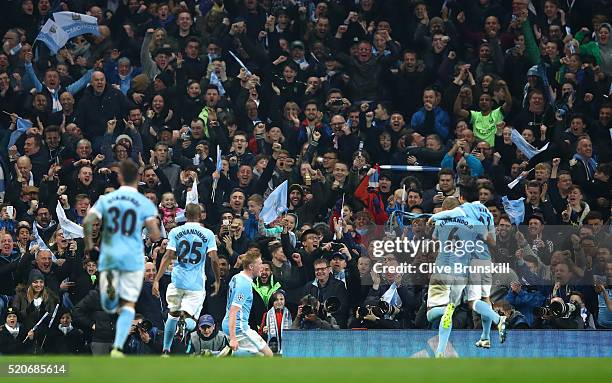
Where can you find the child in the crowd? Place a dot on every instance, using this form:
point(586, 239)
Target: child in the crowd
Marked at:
point(275, 320)
point(169, 210)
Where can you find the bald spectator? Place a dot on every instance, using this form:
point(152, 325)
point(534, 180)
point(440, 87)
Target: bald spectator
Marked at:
point(100, 103)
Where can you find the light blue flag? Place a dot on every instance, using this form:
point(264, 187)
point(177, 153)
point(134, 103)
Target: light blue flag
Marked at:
point(391, 296)
point(515, 209)
point(219, 160)
point(528, 150)
point(275, 204)
point(75, 24)
point(410, 168)
point(214, 80)
point(219, 167)
point(53, 36)
point(22, 126)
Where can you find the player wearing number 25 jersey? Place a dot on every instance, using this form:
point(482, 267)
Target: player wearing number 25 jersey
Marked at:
point(190, 244)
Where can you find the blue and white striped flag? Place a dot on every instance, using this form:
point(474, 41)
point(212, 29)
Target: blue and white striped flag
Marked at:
point(275, 204)
point(53, 36)
point(515, 209)
point(410, 168)
point(75, 24)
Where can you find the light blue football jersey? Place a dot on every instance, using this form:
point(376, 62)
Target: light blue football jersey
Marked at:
point(191, 242)
point(123, 214)
point(480, 216)
point(479, 212)
point(241, 295)
point(457, 238)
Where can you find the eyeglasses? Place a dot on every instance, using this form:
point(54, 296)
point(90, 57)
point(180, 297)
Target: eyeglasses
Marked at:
point(321, 269)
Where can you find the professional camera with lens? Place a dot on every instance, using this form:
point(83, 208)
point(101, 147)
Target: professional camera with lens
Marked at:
point(307, 310)
point(380, 310)
point(146, 325)
point(331, 305)
point(557, 309)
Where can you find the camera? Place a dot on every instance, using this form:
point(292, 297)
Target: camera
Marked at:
point(388, 309)
point(380, 310)
point(331, 305)
point(336, 102)
point(146, 325)
point(307, 310)
point(557, 309)
point(336, 247)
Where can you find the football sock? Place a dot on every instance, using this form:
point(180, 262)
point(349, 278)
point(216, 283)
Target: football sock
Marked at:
point(169, 330)
point(110, 306)
point(435, 313)
point(443, 335)
point(124, 323)
point(485, 310)
point(486, 328)
point(190, 324)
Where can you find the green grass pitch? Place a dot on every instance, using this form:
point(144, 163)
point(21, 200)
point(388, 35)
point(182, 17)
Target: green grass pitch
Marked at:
point(252, 370)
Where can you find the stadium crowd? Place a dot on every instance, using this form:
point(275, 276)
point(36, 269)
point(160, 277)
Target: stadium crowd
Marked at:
point(316, 93)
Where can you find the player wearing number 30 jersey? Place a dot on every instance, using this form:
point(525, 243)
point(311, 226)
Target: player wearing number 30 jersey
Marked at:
point(123, 214)
point(190, 244)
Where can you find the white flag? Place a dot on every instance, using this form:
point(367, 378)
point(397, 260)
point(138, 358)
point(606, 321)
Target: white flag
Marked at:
point(71, 229)
point(192, 195)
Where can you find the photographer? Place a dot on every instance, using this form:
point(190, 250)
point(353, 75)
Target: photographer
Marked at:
point(375, 314)
point(395, 293)
point(309, 316)
point(525, 299)
point(142, 338)
point(325, 286)
point(572, 315)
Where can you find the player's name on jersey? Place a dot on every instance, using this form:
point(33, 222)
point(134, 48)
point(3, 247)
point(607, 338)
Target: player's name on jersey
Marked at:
point(432, 268)
point(125, 198)
point(197, 232)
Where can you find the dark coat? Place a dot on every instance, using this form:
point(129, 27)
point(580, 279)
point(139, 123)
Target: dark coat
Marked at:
point(93, 111)
point(88, 312)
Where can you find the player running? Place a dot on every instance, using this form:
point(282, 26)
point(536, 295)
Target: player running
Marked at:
point(479, 284)
point(447, 285)
point(243, 339)
point(191, 243)
point(123, 214)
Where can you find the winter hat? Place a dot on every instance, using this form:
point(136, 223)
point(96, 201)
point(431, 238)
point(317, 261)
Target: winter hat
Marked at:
point(35, 275)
